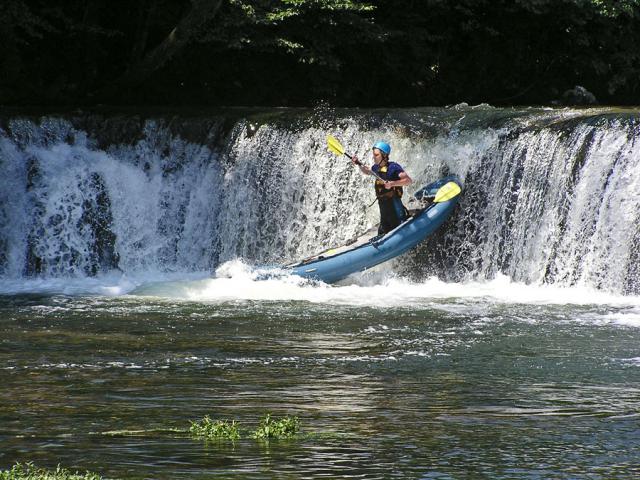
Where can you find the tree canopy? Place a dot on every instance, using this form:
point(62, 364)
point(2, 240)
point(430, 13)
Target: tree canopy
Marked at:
point(299, 52)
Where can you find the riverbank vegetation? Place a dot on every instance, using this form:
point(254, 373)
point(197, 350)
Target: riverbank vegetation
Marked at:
point(299, 52)
point(28, 471)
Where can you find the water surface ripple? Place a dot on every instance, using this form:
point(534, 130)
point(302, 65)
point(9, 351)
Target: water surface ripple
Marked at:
point(446, 388)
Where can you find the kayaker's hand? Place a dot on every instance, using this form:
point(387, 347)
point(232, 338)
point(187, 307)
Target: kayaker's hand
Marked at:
point(388, 185)
point(355, 161)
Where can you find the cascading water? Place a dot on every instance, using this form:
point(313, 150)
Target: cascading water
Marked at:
point(555, 202)
point(552, 196)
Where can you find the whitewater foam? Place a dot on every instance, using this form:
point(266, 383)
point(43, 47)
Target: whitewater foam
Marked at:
point(237, 281)
point(550, 198)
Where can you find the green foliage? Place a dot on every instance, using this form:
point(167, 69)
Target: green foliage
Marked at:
point(218, 429)
point(20, 22)
point(309, 30)
point(271, 428)
point(346, 52)
point(614, 8)
point(27, 471)
point(268, 428)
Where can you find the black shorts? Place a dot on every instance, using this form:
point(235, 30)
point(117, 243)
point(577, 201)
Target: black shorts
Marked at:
point(392, 213)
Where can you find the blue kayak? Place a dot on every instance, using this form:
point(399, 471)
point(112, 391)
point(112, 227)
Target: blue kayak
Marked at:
point(437, 201)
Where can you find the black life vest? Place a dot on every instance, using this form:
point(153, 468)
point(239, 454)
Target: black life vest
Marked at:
point(382, 192)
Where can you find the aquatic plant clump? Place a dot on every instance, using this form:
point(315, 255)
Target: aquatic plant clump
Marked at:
point(218, 429)
point(28, 471)
point(286, 427)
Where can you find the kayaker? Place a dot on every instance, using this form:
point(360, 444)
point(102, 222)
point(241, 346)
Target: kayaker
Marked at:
point(390, 178)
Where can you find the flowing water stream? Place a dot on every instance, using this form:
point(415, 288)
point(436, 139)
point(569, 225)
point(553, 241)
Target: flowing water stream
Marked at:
point(506, 346)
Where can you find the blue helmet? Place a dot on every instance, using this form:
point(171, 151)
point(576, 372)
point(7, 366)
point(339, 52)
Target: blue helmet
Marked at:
point(384, 147)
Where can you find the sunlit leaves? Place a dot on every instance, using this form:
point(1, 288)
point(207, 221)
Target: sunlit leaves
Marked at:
point(272, 428)
point(268, 428)
point(215, 429)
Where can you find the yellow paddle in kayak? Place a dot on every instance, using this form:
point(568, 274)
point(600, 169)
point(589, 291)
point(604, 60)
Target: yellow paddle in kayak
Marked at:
point(447, 192)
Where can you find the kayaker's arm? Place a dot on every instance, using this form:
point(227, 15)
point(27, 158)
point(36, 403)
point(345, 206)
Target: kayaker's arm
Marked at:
point(363, 168)
point(403, 181)
point(366, 170)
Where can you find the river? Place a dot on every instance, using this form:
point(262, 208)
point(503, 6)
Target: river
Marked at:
point(504, 347)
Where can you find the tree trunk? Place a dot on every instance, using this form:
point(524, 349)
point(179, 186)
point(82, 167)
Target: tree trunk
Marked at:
point(201, 12)
point(145, 13)
point(90, 49)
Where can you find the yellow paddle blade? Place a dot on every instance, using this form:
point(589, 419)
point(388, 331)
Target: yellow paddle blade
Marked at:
point(334, 145)
point(447, 192)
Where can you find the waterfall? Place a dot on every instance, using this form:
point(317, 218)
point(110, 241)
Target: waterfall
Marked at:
point(552, 196)
point(555, 202)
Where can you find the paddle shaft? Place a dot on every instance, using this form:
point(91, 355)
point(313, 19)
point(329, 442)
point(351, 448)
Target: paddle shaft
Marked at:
point(360, 164)
point(336, 147)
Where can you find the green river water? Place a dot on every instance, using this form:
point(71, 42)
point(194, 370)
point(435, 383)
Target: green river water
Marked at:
point(461, 384)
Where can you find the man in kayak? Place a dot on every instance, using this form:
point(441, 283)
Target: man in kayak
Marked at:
point(390, 178)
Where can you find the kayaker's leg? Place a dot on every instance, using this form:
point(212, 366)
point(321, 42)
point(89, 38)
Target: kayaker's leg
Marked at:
point(389, 218)
point(401, 212)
